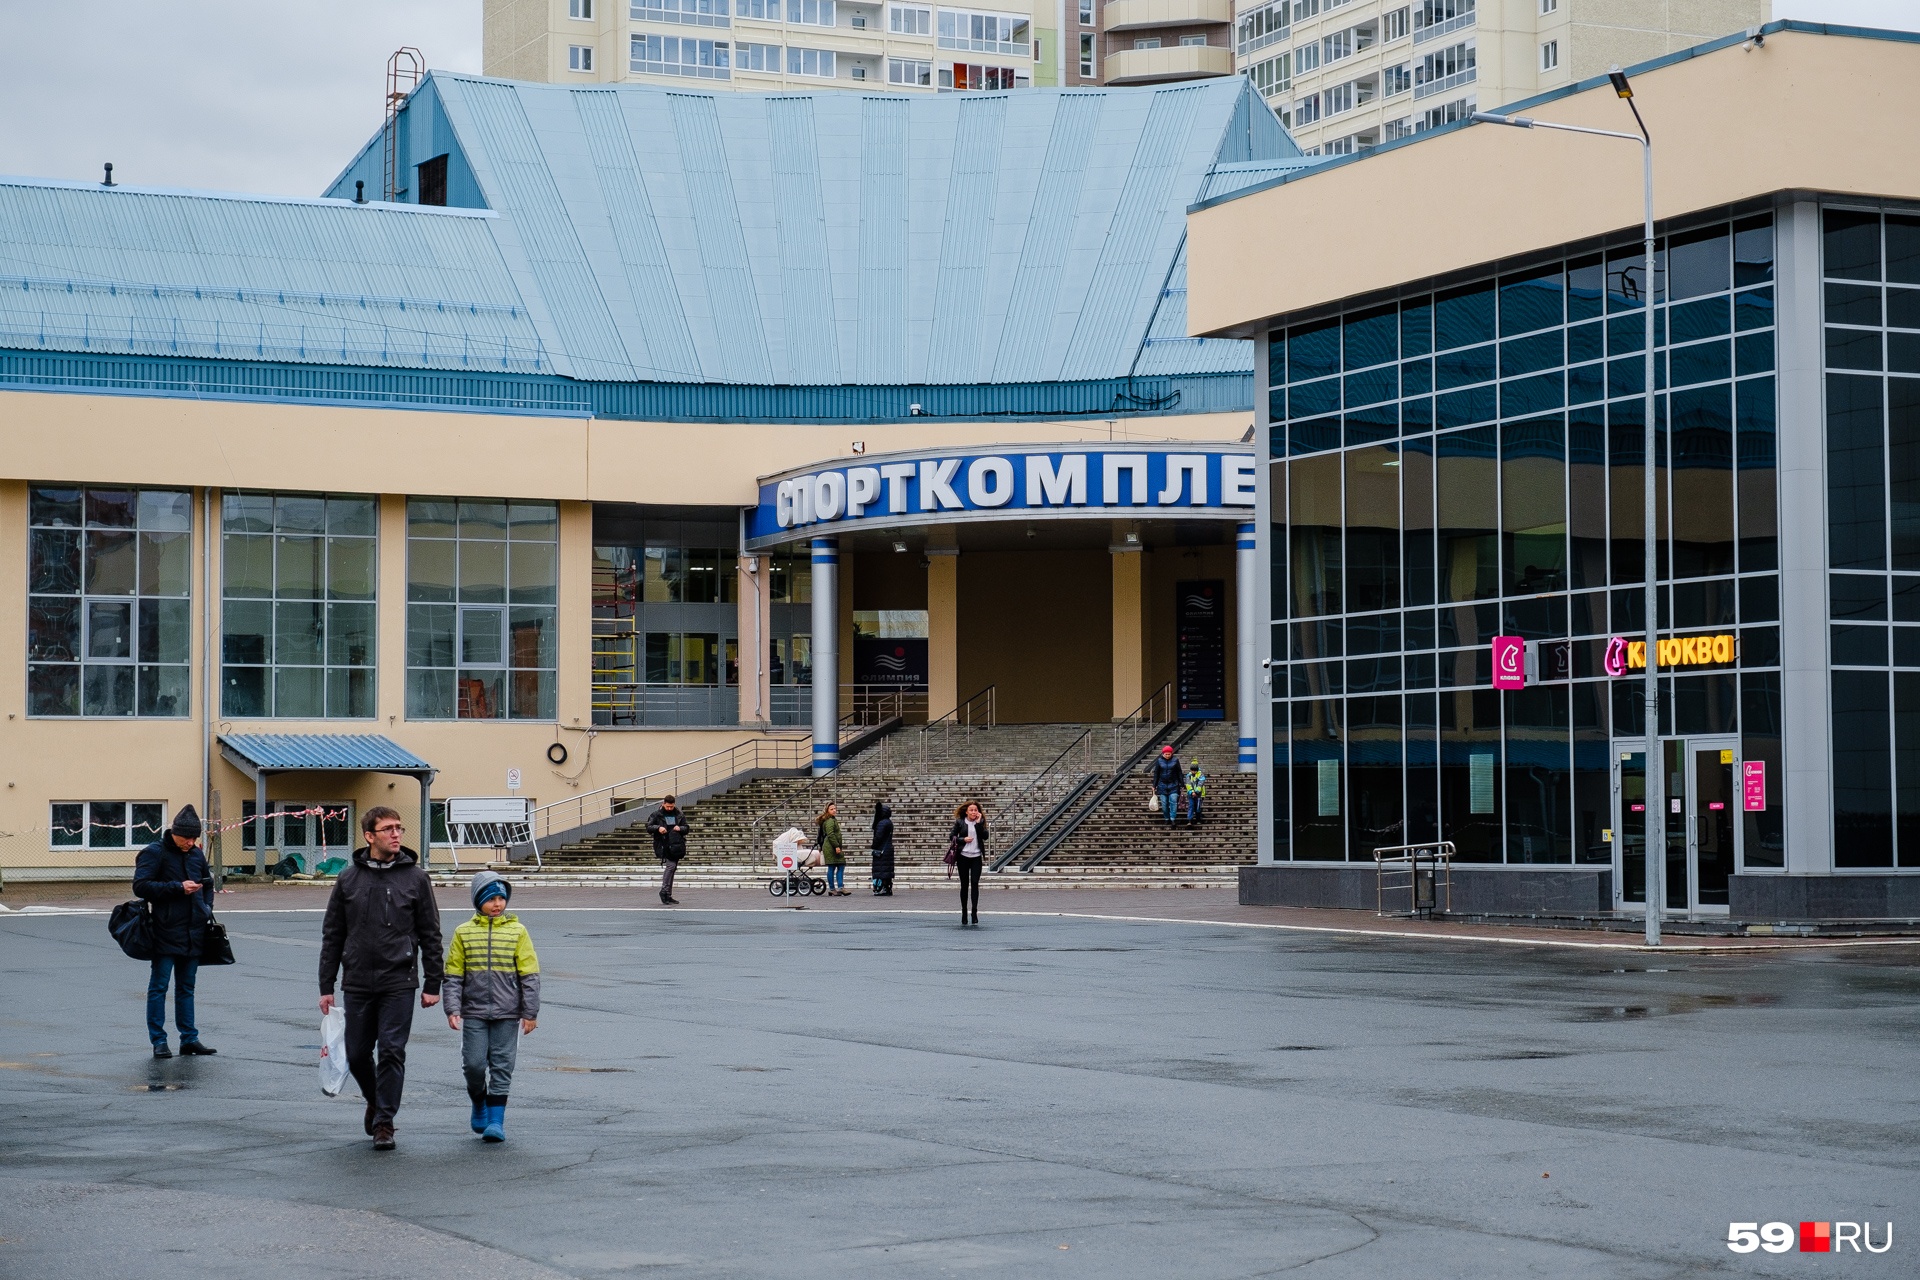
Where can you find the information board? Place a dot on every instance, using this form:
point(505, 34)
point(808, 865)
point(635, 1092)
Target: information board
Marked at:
point(1200, 650)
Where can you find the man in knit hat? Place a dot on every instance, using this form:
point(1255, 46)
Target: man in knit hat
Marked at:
point(171, 874)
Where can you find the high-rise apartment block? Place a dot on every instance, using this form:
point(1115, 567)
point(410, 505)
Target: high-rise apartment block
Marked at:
point(1349, 74)
point(779, 44)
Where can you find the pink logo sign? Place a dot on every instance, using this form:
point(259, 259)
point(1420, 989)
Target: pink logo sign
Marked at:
point(1616, 664)
point(1753, 778)
point(1509, 662)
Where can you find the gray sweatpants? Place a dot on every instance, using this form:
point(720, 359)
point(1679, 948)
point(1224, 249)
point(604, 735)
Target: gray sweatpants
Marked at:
point(487, 1048)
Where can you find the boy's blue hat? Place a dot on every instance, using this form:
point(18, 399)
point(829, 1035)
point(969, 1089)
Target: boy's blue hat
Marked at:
point(489, 884)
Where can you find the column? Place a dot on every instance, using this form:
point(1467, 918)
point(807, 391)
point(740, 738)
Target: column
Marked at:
point(1805, 694)
point(826, 655)
point(1129, 627)
point(943, 631)
point(1246, 595)
point(754, 594)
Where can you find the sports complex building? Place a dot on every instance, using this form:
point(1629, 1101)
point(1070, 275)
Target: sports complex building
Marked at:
point(641, 427)
point(647, 426)
point(1454, 425)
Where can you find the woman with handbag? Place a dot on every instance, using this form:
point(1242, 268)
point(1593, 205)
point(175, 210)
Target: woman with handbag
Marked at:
point(833, 850)
point(967, 850)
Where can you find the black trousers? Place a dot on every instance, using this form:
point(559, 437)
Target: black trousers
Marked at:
point(969, 885)
point(383, 1019)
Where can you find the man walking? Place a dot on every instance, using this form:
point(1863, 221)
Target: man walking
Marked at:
point(171, 873)
point(381, 923)
point(1166, 782)
point(669, 829)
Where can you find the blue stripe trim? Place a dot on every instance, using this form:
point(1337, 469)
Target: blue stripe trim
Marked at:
point(826, 558)
point(272, 382)
point(826, 752)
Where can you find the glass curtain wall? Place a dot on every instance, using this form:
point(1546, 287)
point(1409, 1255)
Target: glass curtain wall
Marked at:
point(1468, 462)
point(482, 586)
point(665, 618)
point(1871, 302)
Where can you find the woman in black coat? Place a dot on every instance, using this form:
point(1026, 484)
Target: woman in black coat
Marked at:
point(171, 874)
point(967, 841)
point(882, 850)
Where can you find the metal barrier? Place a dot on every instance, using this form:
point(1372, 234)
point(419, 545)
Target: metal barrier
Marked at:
point(1424, 872)
point(1029, 811)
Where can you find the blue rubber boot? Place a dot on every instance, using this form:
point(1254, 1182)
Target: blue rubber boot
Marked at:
point(480, 1116)
point(496, 1130)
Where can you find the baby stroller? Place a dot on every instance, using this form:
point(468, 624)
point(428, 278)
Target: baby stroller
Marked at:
point(790, 867)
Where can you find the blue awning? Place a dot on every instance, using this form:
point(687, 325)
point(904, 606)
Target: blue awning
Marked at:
point(257, 753)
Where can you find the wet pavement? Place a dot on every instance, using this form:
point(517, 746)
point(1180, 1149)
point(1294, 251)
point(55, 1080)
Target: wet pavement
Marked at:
point(755, 1092)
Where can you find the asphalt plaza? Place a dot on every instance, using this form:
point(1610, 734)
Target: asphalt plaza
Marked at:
point(759, 1092)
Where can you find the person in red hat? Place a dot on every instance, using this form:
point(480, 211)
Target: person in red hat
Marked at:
point(1166, 782)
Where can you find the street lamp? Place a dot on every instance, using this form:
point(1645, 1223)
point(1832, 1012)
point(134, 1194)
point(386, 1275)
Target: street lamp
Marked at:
point(1656, 855)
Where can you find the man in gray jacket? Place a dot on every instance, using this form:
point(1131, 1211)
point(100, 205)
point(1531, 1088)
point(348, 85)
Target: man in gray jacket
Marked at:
point(382, 925)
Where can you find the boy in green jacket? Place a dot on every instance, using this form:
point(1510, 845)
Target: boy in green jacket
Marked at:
point(492, 993)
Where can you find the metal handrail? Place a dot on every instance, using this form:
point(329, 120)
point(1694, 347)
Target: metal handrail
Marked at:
point(963, 717)
point(1121, 772)
point(1409, 860)
point(1030, 796)
point(606, 802)
point(1145, 716)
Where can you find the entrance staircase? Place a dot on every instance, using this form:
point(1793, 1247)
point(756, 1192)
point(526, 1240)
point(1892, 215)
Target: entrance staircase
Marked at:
point(1018, 773)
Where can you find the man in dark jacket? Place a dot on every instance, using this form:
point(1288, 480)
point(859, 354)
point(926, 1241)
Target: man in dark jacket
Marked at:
point(1166, 782)
point(669, 829)
point(882, 850)
point(382, 922)
point(171, 873)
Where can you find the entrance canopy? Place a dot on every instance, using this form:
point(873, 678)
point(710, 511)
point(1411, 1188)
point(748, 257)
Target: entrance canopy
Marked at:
point(1115, 479)
point(259, 755)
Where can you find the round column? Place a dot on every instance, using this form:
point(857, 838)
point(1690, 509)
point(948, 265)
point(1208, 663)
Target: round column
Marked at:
point(1247, 594)
point(826, 655)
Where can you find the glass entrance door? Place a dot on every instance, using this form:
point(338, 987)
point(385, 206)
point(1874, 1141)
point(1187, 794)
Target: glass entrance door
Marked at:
point(1701, 835)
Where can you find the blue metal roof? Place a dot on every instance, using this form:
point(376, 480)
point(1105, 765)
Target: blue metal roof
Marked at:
point(832, 238)
point(371, 752)
point(646, 252)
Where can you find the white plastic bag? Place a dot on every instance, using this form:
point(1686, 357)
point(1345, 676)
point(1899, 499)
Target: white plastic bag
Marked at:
point(1153, 803)
point(333, 1051)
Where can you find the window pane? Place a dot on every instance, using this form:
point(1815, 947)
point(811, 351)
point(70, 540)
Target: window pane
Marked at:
point(1702, 424)
point(349, 692)
point(482, 695)
point(110, 509)
point(106, 825)
point(67, 825)
point(481, 640)
point(1316, 522)
point(246, 631)
point(53, 629)
point(1534, 518)
point(109, 629)
point(1856, 473)
point(53, 690)
point(54, 507)
point(111, 564)
point(1539, 777)
point(483, 518)
point(54, 561)
point(166, 630)
point(297, 692)
point(1862, 770)
point(1852, 247)
point(534, 521)
point(352, 517)
point(246, 512)
point(1416, 482)
point(1374, 776)
point(244, 691)
point(430, 569)
point(532, 637)
point(1530, 302)
point(300, 567)
point(534, 570)
point(299, 513)
point(533, 695)
point(107, 690)
point(1903, 469)
point(1319, 834)
point(350, 635)
point(1699, 262)
point(1759, 494)
point(1468, 516)
point(350, 568)
point(1373, 528)
point(162, 691)
point(298, 629)
point(431, 518)
point(483, 572)
point(246, 565)
point(430, 695)
point(1470, 812)
point(430, 635)
point(1463, 316)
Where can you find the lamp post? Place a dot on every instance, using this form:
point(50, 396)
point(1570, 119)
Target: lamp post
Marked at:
point(1656, 851)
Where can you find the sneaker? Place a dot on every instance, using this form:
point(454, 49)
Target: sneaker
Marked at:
point(161, 1051)
point(194, 1049)
point(671, 902)
point(383, 1138)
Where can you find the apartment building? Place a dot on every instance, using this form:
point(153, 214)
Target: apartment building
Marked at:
point(1350, 74)
point(775, 45)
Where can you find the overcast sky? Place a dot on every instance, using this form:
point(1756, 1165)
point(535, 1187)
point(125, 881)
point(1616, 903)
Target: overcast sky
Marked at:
point(272, 96)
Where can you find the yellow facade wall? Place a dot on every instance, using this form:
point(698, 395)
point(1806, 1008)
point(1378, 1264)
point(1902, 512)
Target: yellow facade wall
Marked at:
point(1034, 624)
point(1804, 113)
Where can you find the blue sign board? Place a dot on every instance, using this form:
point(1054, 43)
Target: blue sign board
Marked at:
point(1143, 480)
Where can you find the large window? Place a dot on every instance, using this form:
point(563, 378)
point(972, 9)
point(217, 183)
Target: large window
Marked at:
point(109, 618)
point(1272, 75)
point(482, 582)
point(1258, 28)
point(811, 13)
point(1086, 57)
point(810, 62)
point(910, 72)
point(297, 592)
point(104, 824)
point(665, 617)
point(681, 56)
point(757, 57)
point(1445, 69)
point(984, 32)
point(699, 13)
point(1456, 465)
point(909, 20)
point(964, 76)
point(1871, 301)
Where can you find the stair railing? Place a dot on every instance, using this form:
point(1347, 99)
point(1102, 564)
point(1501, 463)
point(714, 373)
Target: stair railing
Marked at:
point(1028, 811)
point(979, 711)
point(1143, 722)
point(606, 802)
